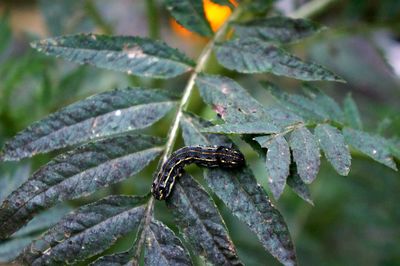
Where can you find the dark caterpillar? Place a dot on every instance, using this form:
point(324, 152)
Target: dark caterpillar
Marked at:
point(208, 156)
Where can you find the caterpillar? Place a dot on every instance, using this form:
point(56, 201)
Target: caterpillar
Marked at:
point(208, 156)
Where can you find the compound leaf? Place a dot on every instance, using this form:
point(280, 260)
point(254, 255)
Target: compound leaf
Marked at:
point(254, 56)
point(374, 146)
point(200, 222)
point(305, 154)
point(75, 174)
point(163, 247)
point(335, 149)
point(244, 197)
point(98, 116)
point(133, 55)
point(190, 14)
point(86, 232)
point(277, 29)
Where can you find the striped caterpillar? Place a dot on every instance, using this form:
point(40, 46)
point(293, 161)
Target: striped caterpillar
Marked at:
point(208, 156)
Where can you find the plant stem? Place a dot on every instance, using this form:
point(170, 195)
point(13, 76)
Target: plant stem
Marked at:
point(173, 133)
point(201, 63)
point(152, 19)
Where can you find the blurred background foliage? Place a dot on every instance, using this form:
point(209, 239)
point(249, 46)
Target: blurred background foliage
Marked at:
point(355, 219)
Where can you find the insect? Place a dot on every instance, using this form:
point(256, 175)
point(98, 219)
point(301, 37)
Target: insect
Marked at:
point(208, 156)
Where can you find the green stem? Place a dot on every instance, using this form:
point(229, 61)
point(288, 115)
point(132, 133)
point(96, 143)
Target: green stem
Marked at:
point(201, 63)
point(152, 19)
point(173, 133)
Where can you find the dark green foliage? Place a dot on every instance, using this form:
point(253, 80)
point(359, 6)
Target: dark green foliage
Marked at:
point(190, 14)
point(10, 249)
point(224, 3)
point(98, 116)
point(287, 137)
point(86, 232)
point(163, 247)
point(259, 127)
point(277, 162)
point(254, 56)
point(276, 29)
point(133, 55)
point(200, 222)
point(352, 115)
point(335, 149)
point(305, 154)
point(244, 197)
point(229, 100)
point(75, 174)
point(374, 146)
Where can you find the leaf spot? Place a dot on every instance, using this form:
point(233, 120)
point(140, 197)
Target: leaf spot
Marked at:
point(225, 90)
point(135, 52)
point(220, 110)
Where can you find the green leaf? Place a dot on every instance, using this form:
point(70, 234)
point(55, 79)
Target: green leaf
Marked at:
point(374, 146)
point(43, 221)
point(254, 56)
point(75, 174)
point(335, 149)
point(9, 249)
point(283, 118)
point(229, 100)
point(277, 162)
point(242, 195)
point(305, 154)
point(163, 247)
point(259, 127)
point(98, 116)
point(298, 186)
point(319, 98)
point(293, 180)
point(12, 177)
point(190, 14)
point(86, 232)
point(298, 104)
point(276, 29)
point(235, 105)
point(133, 55)
point(258, 6)
point(201, 223)
point(352, 115)
point(224, 3)
point(249, 202)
